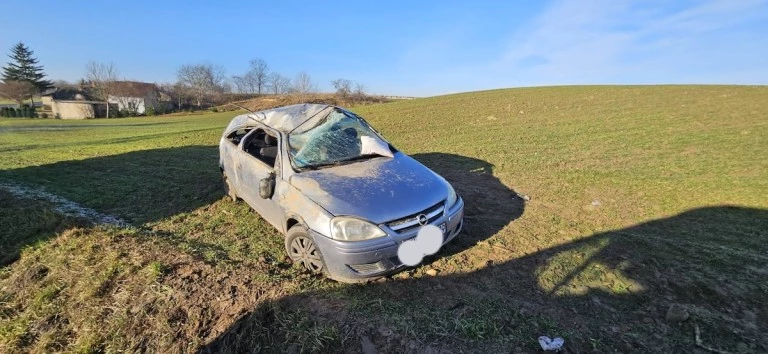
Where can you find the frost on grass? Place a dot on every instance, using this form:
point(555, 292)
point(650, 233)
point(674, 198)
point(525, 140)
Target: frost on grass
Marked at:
point(62, 205)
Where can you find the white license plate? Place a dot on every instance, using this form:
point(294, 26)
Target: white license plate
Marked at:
point(442, 227)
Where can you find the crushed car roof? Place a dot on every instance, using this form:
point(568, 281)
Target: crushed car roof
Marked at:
point(284, 119)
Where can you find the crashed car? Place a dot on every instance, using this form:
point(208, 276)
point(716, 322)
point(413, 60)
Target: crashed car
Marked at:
point(343, 196)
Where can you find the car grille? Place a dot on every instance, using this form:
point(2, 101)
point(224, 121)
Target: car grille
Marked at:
point(367, 268)
point(411, 222)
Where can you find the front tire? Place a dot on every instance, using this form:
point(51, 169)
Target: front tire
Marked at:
point(303, 250)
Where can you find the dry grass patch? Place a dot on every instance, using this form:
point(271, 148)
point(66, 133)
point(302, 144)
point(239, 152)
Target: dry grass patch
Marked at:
point(110, 289)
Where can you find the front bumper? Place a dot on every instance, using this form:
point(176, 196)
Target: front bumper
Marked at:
point(362, 260)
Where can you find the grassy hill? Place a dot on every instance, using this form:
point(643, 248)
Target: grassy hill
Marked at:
point(640, 199)
point(272, 101)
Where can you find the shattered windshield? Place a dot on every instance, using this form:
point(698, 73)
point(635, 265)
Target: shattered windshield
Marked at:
point(338, 137)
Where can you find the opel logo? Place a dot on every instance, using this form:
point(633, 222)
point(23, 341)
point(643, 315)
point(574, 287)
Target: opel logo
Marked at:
point(422, 219)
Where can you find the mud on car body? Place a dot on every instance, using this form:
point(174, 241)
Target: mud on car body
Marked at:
point(343, 196)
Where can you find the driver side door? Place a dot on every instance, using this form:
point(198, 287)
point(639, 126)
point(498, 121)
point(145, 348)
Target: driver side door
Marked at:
point(249, 171)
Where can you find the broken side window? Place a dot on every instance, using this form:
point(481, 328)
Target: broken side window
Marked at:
point(238, 135)
point(263, 146)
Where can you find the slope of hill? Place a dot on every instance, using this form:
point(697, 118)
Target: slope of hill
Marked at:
point(272, 101)
point(621, 218)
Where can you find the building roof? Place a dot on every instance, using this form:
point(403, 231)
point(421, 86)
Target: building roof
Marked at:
point(284, 119)
point(69, 94)
point(132, 88)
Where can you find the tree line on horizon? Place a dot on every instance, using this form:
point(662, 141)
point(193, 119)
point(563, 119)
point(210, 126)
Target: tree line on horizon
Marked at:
point(197, 85)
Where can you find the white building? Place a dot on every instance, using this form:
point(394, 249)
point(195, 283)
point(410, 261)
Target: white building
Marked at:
point(135, 97)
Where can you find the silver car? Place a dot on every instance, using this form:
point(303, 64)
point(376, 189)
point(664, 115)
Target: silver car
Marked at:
point(343, 196)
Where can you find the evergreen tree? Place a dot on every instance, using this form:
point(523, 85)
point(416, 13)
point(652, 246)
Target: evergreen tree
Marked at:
point(23, 67)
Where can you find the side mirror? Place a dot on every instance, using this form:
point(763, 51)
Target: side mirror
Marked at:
point(267, 186)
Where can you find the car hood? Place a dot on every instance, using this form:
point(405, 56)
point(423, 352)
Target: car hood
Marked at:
point(381, 189)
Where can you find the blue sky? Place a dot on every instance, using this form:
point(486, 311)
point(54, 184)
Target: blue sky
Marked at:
point(415, 48)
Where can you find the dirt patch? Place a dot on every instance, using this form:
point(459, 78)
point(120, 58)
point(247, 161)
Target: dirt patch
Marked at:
point(208, 300)
point(123, 289)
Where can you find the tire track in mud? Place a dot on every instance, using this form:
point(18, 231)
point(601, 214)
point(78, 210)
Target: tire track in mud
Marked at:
point(63, 205)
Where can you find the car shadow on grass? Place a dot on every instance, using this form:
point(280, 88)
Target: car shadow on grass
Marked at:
point(489, 205)
point(611, 291)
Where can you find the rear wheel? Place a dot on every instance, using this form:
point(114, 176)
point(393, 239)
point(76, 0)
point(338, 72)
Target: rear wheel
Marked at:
point(302, 249)
point(228, 188)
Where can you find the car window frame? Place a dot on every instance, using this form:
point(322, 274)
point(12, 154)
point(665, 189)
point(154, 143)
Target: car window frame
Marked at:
point(247, 137)
point(227, 136)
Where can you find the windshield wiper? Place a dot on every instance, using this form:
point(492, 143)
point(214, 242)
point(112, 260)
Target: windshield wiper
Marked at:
point(358, 158)
point(338, 162)
point(319, 166)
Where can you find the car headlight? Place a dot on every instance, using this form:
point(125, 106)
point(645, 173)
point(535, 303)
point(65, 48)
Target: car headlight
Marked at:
point(350, 229)
point(452, 197)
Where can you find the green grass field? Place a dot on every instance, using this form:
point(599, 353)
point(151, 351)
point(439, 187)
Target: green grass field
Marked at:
point(640, 198)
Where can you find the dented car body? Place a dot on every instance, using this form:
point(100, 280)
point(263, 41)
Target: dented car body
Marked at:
point(341, 194)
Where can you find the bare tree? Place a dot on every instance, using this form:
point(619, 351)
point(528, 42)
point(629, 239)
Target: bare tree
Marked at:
point(223, 92)
point(245, 84)
point(343, 87)
point(255, 80)
point(259, 74)
point(359, 92)
point(303, 86)
point(178, 92)
point(17, 90)
point(128, 105)
point(249, 83)
point(203, 79)
point(183, 93)
point(279, 84)
point(240, 84)
point(102, 77)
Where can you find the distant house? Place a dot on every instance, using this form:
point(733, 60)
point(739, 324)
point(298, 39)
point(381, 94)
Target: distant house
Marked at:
point(127, 96)
point(73, 104)
point(135, 97)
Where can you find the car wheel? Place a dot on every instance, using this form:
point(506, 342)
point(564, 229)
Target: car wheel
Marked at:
point(228, 188)
point(302, 249)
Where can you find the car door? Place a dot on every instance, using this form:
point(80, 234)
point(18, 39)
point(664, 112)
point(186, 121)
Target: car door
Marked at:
point(228, 150)
point(249, 171)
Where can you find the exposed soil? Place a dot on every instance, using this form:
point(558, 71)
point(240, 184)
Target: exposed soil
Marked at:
point(190, 301)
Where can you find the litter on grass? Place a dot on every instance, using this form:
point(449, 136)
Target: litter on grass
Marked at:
point(551, 344)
